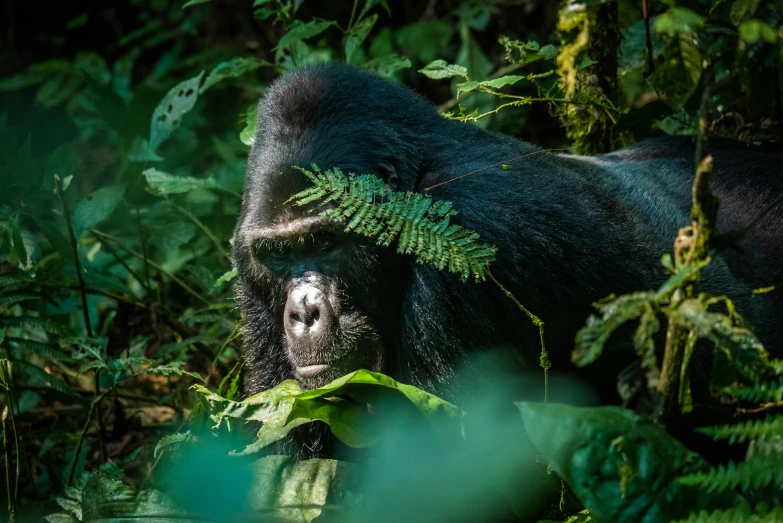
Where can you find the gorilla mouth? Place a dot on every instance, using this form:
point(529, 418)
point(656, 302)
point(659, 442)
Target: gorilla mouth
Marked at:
point(308, 371)
point(365, 353)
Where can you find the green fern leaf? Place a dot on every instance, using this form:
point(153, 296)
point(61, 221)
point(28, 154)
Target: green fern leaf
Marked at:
point(771, 391)
point(742, 514)
point(37, 376)
point(31, 322)
point(42, 349)
point(758, 471)
point(757, 430)
point(420, 225)
point(10, 299)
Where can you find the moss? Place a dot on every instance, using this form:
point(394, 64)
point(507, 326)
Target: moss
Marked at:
point(587, 66)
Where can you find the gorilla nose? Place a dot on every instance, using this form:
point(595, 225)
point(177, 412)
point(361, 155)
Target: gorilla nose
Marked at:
point(306, 310)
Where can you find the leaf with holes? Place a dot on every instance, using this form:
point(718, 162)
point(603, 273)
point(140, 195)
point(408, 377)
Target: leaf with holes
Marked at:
point(232, 69)
point(169, 112)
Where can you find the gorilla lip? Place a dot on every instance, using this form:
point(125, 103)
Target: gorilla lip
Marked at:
point(311, 370)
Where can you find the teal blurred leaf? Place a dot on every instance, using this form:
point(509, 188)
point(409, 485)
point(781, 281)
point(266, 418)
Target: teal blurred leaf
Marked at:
point(302, 31)
point(96, 207)
point(622, 468)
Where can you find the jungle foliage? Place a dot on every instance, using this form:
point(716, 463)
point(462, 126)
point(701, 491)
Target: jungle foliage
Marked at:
point(122, 162)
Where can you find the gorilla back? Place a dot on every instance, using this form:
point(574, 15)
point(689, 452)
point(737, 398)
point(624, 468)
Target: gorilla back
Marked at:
point(569, 230)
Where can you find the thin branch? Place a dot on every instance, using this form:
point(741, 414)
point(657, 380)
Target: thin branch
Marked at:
point(90, 413)
point(152, 264)
point(201, 226)
point(427, 189)
point(85, 310)
point(544, 358)
point(650, 61)
point(144, 257)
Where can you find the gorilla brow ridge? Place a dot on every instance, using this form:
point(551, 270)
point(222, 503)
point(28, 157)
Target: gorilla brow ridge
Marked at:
point(288, 230)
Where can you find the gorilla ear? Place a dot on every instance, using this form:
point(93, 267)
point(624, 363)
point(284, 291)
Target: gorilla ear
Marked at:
point(389, 175)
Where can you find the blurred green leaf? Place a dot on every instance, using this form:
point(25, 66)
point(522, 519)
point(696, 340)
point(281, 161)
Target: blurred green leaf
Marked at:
point(96, 207)
point(358, 35)
point(622, 468)
point(169, 112)
point(302, 31)
point(232, 69)
point(164, 183)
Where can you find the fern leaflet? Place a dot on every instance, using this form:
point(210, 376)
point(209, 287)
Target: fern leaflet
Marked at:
point(420, 225)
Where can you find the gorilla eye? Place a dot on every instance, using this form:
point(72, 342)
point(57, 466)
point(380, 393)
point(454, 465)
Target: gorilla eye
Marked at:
point(279, 250)
point(323, 241)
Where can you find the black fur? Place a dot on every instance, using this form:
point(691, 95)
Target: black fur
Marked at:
point(569, 229)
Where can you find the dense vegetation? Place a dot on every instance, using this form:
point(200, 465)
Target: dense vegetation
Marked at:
point(124, 136)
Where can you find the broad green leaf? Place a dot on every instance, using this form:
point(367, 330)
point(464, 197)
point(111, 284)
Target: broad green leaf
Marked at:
point(471, 56)
point(751, 31)
point(387, 65)
point(232, 69)
point(358, 35)
point(302, 31)
point(171, 442)
point(164, 183)
point(503, 81)
point(107, 499)
point(440, 69)
point(226, 277)
point(172, 368)
point(287, 406)
point(466, 87)
point(169, 112)
point(677, 20)
point(173, 235)
point(248, 134)
point(294, 490)
point(739, 9)
point(591, 338)
point(191, 3)
point(737, 342)
point(622, 469)
point(96, 207)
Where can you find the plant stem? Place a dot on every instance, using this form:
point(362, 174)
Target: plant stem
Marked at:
point(152, 264)
point(90, 413)
point(201, 226)
point(85, 308)
point(544, 357)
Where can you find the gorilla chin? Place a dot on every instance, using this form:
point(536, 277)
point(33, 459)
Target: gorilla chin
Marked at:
point(366, 354)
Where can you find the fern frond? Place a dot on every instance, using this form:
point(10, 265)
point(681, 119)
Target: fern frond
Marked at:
point(10, 299)
point(759, 471)
point(771, 391)
point(742, 514)
point(42, 349)
point(758, 430)
point(12, 279)
point(420, 225)
point(37, 376)
point(777, 366)
point(31, 322)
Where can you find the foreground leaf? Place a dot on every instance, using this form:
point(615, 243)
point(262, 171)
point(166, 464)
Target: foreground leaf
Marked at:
point(622, 468)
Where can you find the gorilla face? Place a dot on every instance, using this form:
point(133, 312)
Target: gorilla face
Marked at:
point(322, 297)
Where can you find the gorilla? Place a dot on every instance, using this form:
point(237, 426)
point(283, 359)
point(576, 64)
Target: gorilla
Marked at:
point(570, 230)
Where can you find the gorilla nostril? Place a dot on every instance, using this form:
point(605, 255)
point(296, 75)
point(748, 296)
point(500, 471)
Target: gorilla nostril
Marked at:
point(316, 315)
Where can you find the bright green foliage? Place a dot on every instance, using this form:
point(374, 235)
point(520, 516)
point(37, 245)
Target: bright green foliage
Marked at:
point(756, 472)
point(758, 430)
point(742, 514)
point(769, 391)
point(622, 468)
point(420, 225)
point(287, 406)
